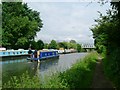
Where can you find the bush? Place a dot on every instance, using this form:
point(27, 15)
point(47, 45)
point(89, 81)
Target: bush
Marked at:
point(112, 67)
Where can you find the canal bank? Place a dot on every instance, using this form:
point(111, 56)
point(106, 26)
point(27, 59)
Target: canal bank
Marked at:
point(16, 67)
point(80, 72)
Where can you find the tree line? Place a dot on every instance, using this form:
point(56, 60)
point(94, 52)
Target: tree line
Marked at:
point(107, 35)
point(72, 44)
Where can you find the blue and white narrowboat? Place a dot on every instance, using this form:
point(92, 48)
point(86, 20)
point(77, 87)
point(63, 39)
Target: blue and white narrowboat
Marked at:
point(44, 55)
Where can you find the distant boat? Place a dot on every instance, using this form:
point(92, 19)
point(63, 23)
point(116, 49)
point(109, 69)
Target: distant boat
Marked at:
point(45, 55)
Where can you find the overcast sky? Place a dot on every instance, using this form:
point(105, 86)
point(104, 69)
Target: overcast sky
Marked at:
point(63, 21)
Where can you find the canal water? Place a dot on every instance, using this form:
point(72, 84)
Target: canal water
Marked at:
point(18, 66)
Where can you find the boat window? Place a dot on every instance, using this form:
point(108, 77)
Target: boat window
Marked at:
point(13, 52)
point(17, 52)
point(3, 52)
point(8, 52)
point(20, 52)
point(48, 53)
point(53, 53)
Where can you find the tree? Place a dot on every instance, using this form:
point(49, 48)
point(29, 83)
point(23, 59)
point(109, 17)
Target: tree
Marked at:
point(40, 44)
point(34, 45)
point(0, 25)
point(52, 45)
point(116, 6)
point(107, 35)
point(78, 47)
point(72, 41)
point(46, 46)
point(72, 45)
point(106, 32)
point(19, 24)
point(63, 45)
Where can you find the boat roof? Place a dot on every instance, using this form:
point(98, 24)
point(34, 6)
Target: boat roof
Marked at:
point(47, 50)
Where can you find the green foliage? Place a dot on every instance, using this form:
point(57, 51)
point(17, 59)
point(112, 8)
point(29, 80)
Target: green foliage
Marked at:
point(24, 81)
point(40, 44)
point(0, 36)
point(78, 47)
point(107, 35)
point(72, 45)
point(63, 45)
point(52, 45)
point(19, 23)
point(80, 75)
point(34, 45)
point(37, 44)
point(69, 45)
point(112, 67)
point(72, 41)
point(46, 46)
point(0, 25)
point(116, 5)
point(53, 81)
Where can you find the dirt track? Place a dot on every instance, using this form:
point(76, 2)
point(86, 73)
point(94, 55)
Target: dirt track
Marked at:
point(99, 79)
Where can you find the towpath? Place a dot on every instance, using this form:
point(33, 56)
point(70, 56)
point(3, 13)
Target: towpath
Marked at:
point(99, 79)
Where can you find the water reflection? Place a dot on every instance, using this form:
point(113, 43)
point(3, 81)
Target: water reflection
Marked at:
point(47, 64)
point(19, 66)
point(12, 61)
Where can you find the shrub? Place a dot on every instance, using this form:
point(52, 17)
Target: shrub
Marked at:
point(112, 67)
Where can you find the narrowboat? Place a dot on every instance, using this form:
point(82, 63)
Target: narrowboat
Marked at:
point(44, 55)
point(13, 53)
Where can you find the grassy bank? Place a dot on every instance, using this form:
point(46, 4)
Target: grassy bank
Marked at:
point(78, 76)
point(24, 81)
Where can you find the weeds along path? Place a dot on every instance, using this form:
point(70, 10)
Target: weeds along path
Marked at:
point(99, 79)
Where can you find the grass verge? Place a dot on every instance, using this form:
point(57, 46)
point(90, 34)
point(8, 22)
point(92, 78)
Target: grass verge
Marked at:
point(80, 75)
point(24, 81)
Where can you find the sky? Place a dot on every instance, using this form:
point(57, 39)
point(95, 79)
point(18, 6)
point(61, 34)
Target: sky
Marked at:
point(65, 21)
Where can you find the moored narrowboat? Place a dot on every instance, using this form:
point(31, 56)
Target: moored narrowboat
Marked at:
point(42, 55)
point(13, 53)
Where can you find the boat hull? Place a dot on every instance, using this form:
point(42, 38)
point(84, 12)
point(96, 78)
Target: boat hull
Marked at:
point(45, 55)
point(41, 59)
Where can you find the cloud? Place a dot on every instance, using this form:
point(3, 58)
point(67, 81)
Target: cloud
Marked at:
point(66, 21)
point(64, 0)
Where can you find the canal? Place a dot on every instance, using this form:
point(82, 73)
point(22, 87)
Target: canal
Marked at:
point(18, 66)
